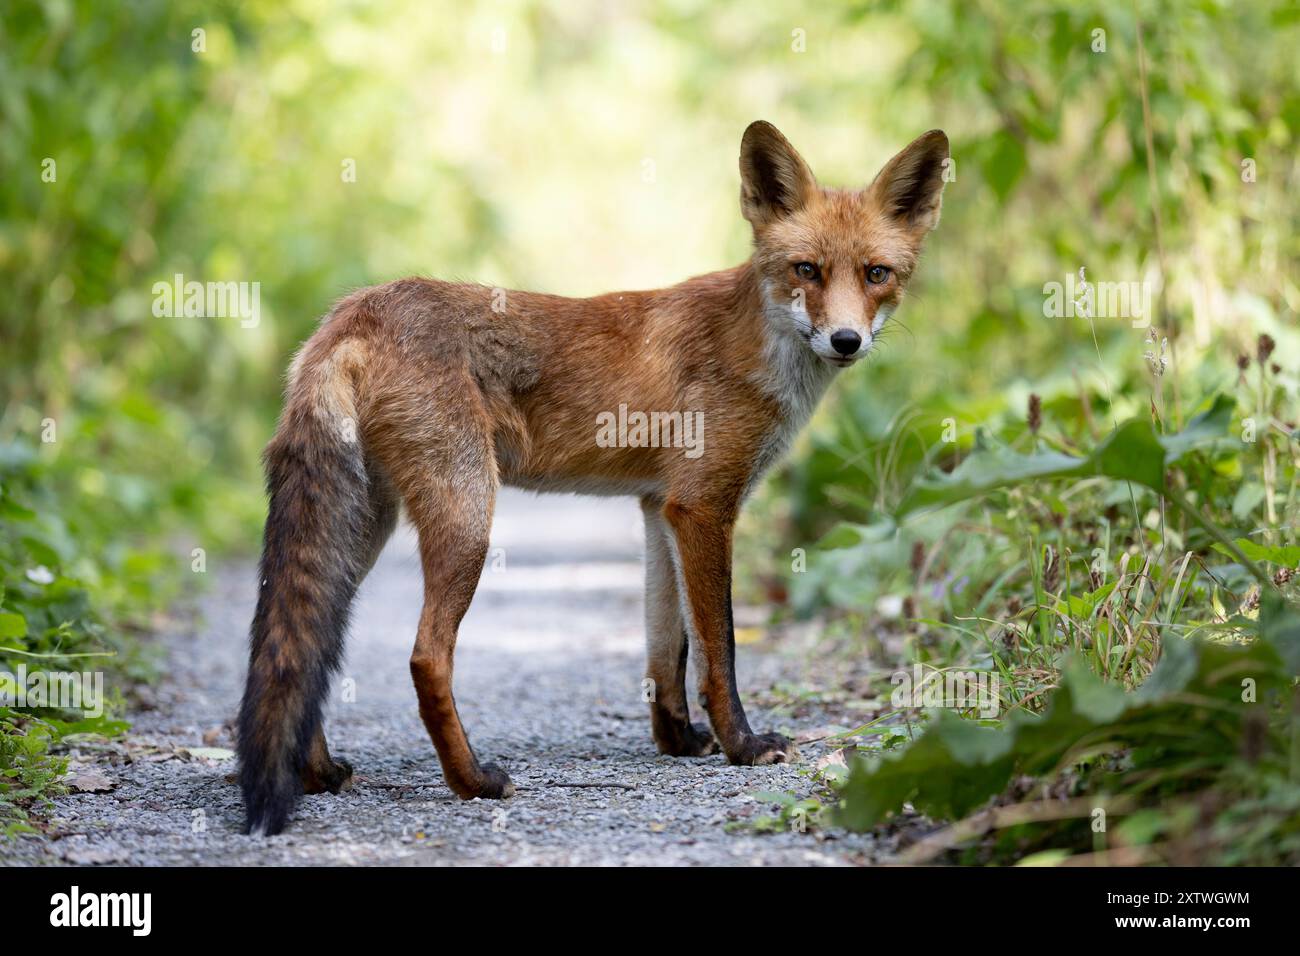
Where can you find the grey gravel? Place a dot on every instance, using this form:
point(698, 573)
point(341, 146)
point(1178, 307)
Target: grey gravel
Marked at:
point(548, 673)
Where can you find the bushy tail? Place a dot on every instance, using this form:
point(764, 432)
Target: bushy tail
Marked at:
point(316, 477)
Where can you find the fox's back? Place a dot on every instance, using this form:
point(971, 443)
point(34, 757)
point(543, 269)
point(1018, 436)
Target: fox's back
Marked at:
point(546, 367)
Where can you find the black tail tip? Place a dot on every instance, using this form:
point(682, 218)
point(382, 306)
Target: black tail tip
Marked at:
point(268, 809)
point(266, 822)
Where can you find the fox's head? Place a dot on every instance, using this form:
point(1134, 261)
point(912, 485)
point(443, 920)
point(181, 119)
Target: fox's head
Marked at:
point(833, 263)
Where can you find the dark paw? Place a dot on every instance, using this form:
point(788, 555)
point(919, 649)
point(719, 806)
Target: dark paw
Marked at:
point(334, 777)
point(495, 784)
point(687, 740)
point(758, 749)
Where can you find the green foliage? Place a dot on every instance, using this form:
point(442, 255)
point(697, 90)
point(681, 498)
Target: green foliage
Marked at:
point(1182, 730)
point(972, 341)
point(1034, 488)
point(108, 451)
point(72, 594)
point(1187, 733)
point(794, 814)
point(29, 774)
point(1133, 452)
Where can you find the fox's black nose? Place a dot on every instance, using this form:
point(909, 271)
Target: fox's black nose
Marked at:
point(845, 342)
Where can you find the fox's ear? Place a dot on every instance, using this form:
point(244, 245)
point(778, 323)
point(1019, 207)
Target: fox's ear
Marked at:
point(774, 179)
point(910, 187)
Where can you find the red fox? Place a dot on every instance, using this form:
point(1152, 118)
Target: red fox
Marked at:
point(430, 395)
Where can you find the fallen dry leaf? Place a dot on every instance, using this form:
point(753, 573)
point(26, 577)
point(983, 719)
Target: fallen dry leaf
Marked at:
point(836, 758)
point(819, 733)
point(90, 781)
point(205, 753)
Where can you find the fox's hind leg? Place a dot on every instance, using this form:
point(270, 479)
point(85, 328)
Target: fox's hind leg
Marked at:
point(453, 519)
point(666, 647)
point(448, 482)
point(321, 772)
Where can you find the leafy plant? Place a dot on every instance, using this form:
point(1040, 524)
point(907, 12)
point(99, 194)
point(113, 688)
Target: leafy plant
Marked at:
point(29, 773)
point(1213, 724)
point(794, 814)
point(1208, 712)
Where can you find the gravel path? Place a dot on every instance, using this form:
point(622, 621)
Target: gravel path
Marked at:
point(548, 673)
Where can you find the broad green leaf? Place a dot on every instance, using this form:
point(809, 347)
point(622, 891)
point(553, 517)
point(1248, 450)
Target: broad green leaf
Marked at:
point(1207, 427)
point(1133, 452)
point(986, 471)
point(11, 510)
point(847, 535)
point(1287, 556)
point(1247, 499)
point(12, 625)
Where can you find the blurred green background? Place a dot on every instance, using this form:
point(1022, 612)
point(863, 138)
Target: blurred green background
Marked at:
point(580, 147)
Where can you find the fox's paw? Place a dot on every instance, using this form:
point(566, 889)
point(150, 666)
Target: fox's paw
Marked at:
point(495, 785)
point(758, 749)
point(332, 777)
point(688, 740)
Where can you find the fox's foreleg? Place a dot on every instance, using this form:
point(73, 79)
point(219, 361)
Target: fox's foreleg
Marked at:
point(700, 535)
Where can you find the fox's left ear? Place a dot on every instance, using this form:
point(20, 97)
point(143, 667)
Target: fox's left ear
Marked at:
point(910, 187)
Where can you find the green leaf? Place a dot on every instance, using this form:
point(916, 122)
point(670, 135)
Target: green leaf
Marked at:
point(1044, 858)
point(11, 510)
point(1287, 556)
point(986, 471)
point(12, 625)
point(1005, 164)
point(1132, 452)
point(954, 766)
point(848, 535)
point(1205, 428)
point(1247, 499)
point(1189, 710)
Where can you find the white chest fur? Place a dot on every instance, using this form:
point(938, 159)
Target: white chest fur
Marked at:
point(793, 376)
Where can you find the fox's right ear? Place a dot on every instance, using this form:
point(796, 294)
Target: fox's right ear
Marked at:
point(774, 179)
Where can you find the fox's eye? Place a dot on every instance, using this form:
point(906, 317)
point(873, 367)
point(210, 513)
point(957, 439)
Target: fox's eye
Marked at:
point(806, 270)
point(877, 274)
